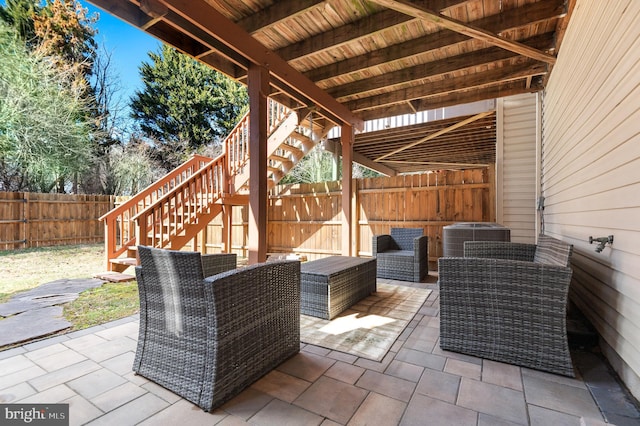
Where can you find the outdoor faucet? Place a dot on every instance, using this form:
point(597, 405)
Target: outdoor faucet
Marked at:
point(602, 241)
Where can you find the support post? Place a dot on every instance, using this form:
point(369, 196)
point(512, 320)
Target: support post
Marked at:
point(346, 138)
point(227, 224)
point(258, 80)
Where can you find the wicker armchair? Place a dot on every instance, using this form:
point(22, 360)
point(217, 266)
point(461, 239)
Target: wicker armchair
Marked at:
point(206, 339)
point(507, 302)
point(403, 255)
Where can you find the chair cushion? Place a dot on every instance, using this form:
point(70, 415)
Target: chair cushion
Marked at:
point(551, 251)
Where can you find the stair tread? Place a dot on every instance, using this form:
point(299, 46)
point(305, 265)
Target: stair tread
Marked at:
point(125, 261)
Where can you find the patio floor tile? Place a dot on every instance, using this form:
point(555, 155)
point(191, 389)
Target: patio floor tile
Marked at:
point(184, 413)
point(404, 370)
point(81, 411)
point(439, 385)
point(247, 403)
point(438, 413)
point(501, 374)
point(416, 383)
point(95, 383)
point(282, 386)
point(59, 359)
point(560, 397)
point(540, 416)
point(378, 410)
point(16, 393)
point(390, 386)
point(332, 398)
point(306, 366)
point(279, 413)
point(133, 412)
point(20, 376)
point(463, 368)
point(52, 395)
point(117, 396)
point(494, 400)
point(9, 366)
point(345, 372)
point(434, 362)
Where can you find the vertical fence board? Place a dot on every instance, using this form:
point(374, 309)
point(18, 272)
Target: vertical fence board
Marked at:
point(39, 220)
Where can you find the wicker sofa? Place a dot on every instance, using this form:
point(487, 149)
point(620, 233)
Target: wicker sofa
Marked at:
point(206, 339)
point(402, 254)
point(507, 302)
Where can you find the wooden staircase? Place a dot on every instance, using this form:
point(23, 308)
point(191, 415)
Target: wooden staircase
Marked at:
point(172, 211)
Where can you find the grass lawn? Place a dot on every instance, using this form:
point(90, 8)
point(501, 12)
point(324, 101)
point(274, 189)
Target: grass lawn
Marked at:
point(22, 270)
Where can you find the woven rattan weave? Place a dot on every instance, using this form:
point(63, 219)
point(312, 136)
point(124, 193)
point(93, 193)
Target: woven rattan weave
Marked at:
point(206, 339)
point(332, 284)
point(506, 310)
point(402, 255)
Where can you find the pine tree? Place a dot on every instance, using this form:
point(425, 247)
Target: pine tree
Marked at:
point(184, 105)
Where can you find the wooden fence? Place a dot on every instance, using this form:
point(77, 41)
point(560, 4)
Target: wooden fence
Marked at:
point(37, 220)
point(306, 218)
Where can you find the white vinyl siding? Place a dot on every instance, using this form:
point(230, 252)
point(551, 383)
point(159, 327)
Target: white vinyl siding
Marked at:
point(591, 170)
point(516, 165)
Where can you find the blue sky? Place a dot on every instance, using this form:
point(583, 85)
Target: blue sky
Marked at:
point(128, 47)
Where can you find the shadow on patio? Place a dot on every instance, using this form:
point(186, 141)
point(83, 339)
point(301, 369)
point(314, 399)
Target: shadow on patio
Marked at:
point(415, 383)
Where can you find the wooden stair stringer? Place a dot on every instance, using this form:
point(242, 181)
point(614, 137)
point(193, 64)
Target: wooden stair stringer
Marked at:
point(192, 229)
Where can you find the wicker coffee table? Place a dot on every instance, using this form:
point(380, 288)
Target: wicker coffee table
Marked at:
point(332, 284)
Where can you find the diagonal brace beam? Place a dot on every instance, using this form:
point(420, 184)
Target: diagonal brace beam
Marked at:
point(436, 134)
point(417, 11)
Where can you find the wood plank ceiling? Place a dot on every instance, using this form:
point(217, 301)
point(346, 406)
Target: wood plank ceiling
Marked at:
point(376, 58)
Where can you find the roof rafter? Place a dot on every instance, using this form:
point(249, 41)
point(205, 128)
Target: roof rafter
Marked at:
point(509, 20)
point(417, 11)
point(420, 72)
point(436, 134)
point(437, 88)
point(203, 16)
point(353, 31)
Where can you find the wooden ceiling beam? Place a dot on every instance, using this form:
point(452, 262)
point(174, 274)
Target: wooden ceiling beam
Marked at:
point(356, 30)
point(434, 89)
point(417, 11)
point(201, 15)
point(506, 21)
point(334, 146)
point(418, 74)
point(126, 11)
point(276, 13)
point(448, 99)
point(436, 134)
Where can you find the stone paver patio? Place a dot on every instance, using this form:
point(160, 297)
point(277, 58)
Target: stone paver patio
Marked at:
point(415, 384)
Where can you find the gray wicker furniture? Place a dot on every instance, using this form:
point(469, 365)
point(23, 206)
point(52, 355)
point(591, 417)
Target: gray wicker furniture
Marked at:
point(507, 302)
point(402, 255)
point(206, 339)
point(454, 235)
point(332, 284)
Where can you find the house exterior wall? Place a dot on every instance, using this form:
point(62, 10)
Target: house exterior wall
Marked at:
point(590, 170)
point(516, 165)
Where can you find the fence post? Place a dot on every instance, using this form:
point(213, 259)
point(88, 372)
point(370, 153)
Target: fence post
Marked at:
point(27, 233)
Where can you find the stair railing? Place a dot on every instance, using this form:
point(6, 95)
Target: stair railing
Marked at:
point(170, 215)
point(164, 209)
point(119, 226)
